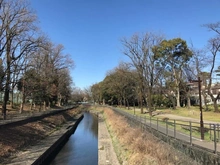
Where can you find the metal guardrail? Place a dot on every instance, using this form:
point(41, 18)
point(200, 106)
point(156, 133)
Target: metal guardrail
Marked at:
point(181, 130)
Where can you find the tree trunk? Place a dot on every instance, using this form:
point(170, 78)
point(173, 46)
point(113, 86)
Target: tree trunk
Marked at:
point(59, 100)
point(21, 107)
point(215, 105)
point(44, 108)
point(1, 97)
point(178, 98)
point(127, 103)
point(32, 103)
point(31, 107)
point(12, 99)
point(120, 103)
point(124, 101)
point(188, 101)
point(205, 100)
point(173, 102)
point(40, 105)
point(49, 105)
point(4, 104)
point(8, 74)
point(206, 106)
point(141, 104)
point(23, 97)
point(17, 98)
point(149, 101)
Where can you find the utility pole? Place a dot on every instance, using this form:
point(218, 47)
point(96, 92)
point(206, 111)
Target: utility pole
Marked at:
point(200, 107)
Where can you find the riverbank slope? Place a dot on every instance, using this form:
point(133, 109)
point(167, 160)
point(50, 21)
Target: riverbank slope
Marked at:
point(15, 140)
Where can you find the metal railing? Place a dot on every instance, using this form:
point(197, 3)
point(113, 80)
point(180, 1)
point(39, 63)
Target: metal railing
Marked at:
point(187, 131)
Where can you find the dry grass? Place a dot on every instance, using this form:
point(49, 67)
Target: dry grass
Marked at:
point(140, 148)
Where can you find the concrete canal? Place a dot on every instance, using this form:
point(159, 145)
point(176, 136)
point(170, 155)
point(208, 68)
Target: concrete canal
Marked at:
point(82, 146)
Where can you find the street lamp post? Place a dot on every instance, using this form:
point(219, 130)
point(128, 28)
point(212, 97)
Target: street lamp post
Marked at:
point(200, 107)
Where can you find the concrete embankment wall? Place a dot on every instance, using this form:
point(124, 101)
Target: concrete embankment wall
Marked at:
point(201, 155)
point(52, 151)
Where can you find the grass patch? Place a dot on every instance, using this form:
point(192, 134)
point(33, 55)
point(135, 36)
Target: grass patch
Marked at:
point(193, 112)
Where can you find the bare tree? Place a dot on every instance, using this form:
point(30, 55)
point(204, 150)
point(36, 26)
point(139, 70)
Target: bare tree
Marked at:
point(194, 69)
point(49, 68)
point(97, 92)
point(214, 48)
point(64, 86)
point(142, 51)
point(88, 93)
point(77, 95)
point(59, 76)
point(17, 37)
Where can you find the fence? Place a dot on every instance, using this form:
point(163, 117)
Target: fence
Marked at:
point(187, 131)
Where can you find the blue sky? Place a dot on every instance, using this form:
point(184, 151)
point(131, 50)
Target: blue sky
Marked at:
point(90, 30)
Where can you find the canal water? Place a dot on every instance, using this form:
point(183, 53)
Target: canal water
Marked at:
point(82, 146)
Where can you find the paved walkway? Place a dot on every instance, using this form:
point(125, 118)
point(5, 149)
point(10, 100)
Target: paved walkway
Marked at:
point(107, 155)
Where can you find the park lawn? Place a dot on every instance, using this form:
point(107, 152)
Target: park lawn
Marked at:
point(193, 112)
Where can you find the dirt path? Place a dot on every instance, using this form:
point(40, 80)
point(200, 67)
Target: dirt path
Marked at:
point(176, 117)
